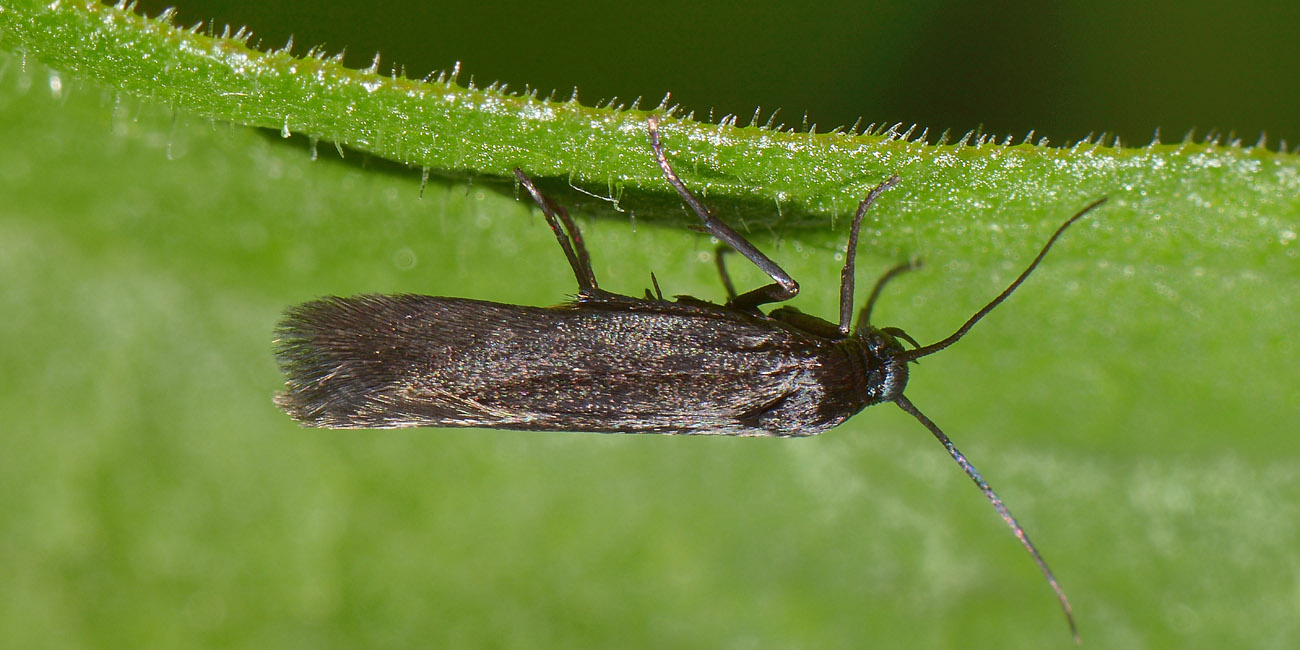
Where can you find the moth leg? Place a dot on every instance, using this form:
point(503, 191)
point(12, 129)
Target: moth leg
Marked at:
point(864, 316)
point(783, 288)
point(851, 254)
point(658, 294)
point(722, 272)
point(570, 241)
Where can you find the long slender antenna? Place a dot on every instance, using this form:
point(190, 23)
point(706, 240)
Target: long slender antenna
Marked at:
point(961, 331)
point(993, 498)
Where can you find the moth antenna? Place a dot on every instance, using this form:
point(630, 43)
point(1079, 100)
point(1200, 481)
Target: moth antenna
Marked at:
point(993, 498)
point(961, 331)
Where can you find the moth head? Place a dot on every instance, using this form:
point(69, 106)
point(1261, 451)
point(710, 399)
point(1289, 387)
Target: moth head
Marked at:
point(885, 361)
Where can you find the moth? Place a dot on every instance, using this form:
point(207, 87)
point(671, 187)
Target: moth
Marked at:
point(606, 362)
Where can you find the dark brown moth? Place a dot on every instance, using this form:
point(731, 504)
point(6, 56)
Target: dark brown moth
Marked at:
point(612, 363)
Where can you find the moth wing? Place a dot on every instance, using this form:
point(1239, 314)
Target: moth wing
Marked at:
point(630, 366)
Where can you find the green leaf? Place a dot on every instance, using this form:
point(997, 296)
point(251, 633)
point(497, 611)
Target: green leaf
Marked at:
point(1135, 402)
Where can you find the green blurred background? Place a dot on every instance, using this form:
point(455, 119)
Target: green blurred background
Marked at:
point(153, 497)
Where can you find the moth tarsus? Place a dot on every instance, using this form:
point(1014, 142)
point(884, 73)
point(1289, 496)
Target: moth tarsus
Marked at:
point(606, 362)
